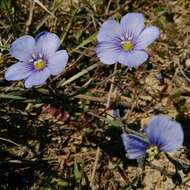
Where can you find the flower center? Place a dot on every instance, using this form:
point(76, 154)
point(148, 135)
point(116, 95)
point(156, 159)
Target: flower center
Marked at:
point(39, 64)
point(152, 151)
point(127, 45)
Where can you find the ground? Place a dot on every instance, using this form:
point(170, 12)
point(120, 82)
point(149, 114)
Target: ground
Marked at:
point(53, 136)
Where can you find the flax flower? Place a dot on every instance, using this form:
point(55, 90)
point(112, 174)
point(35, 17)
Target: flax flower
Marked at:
point(163, 135)
point(38, 57)
point(125, 42)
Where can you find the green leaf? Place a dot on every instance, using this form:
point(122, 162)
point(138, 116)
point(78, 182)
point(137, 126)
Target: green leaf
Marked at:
point(60, 182)
point(86, 41)
point(10, 96)
point(5, 4)
point(77, 173)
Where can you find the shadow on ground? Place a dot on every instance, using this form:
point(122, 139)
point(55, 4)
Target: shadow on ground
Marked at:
point(185, 122)
point(110, 142)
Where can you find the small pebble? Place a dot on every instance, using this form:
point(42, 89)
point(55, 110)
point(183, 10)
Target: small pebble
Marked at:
point(187, 63)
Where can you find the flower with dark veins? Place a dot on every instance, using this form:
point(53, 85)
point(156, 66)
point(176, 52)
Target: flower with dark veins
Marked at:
point(38, 57)
point(163, 135)
point(125, 42)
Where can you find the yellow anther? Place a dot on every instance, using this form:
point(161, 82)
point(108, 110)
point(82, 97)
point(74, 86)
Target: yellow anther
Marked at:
point(127, 45)
point(152, 152)
point(39, 64)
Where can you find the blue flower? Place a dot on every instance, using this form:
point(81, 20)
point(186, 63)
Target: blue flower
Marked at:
point(125, 42)
point(163, 134)
point(38, 59)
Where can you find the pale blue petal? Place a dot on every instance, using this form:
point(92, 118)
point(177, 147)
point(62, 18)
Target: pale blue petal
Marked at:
point(37, 78)
point(165, 133)
point(18, 71)
point(132, 24)
point(133, 58)
point(57, 62)
point(47, 43)
point(22, 48)
point(108, 52)
point(109, 31)
point(134, 146)
point(148, 35)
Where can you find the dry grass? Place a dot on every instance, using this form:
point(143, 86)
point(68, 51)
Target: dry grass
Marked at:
point(60, 141)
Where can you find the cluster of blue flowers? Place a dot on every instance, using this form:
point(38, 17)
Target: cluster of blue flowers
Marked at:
point(39, 57)
point(122, 42)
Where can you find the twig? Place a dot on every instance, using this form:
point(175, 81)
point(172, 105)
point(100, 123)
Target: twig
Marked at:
point(8, 140)
point(108, 6)
point(111, 87)
point(182, 72)
point(78, 75)
point(90, 39)
point(110, 76)
point(132, 107)
point(98, 149)
point(112, 13)
point(29, 21)
point(94, 167)
point(68, 26)
point(43, 7)
point(45, 18)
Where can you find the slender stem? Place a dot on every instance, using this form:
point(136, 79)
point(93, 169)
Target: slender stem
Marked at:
point(68, 26)
point(98, 149)
point(8, 140)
